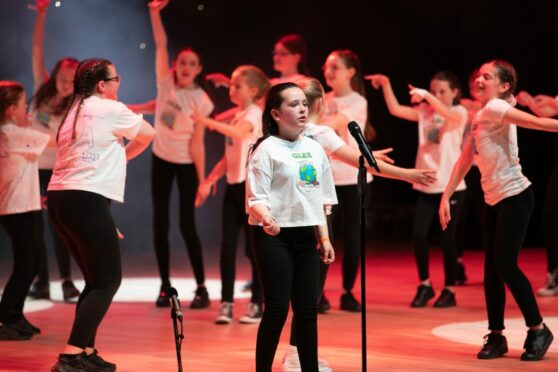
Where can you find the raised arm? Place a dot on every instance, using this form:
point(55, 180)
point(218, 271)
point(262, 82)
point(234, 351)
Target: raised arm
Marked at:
point(529, 121)
point(162, 67)
point(241, 130)
point(459, 171)
point(541, 105)
point(40, 74)
point(453, 118)
point(401, 111)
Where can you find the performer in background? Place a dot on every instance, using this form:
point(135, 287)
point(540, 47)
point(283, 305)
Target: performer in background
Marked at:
point(52, 96)
point(508, 206)
point(90, 171)
point(288, 187)
point(20, 205)
point(441, 121)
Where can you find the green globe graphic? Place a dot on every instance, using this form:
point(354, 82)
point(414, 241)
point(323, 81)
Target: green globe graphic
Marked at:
point(307, 173)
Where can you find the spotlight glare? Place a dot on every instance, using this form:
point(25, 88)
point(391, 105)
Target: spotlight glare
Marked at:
point(142, 46)
point(57, 4)
point(200, 7)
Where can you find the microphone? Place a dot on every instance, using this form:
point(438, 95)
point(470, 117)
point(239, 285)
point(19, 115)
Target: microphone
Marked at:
point(362, 145)
point(175, 302)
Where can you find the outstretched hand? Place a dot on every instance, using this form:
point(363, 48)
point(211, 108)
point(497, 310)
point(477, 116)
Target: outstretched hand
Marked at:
point(218, 79)
point(381, 155)
point(417, 94)
point(524, 98)
point(377, 80)
point(423, 177)
point(158, 5)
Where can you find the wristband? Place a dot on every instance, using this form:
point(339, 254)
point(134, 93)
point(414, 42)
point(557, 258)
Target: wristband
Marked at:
point(324, 239)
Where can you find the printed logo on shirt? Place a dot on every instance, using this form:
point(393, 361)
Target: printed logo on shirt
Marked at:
point(228, 141)
point(308, 175)
point(302, 155)
point(86, 140)
point(168, 117)
point(43, 118)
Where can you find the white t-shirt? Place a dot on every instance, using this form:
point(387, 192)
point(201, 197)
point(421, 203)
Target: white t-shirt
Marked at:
point(43, 120)
point(173, 123)
point(325, 136)
point(496, 153)
point(355, 108)
point(19, 175)
point(293, 179)
point(236, 150)
point(95, 160)
point(438, 147)
point(288, 79)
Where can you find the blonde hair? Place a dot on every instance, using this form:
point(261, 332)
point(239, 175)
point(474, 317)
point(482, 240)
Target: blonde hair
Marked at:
point(312, 88)
point(255, 78)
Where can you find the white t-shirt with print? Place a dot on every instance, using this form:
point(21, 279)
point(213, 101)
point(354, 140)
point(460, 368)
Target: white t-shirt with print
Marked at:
point(293, 179)
point(439, 147)
point(19, 175)
point(173, 123)
point(236, 150)
point(496, 153)
point(355, 108)
point(43, 120)
point(325, 136)
point(95, 160)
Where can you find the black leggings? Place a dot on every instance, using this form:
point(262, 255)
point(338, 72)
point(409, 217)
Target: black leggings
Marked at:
point(347, 213)
point(162, 176)
point(550, 220)
point(469, 223)
point(505, 225)
point(22, 228)
point(426, 212)
point(289, 264)
point(234, 218)
point(84, 223)
point(62, 254)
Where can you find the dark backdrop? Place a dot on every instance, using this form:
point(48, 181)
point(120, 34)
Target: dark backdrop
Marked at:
point(408, 40)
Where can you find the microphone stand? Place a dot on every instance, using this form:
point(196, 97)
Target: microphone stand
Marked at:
point(362, 192)
point(178, 336)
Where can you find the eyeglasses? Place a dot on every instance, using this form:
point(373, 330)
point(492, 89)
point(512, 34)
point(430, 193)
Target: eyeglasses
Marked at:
point(280, 54)
point(114, 78)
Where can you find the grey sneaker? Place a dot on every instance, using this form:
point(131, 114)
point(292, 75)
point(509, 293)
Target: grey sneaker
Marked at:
point(225, 313)
point(253, 314)
point(551, 286)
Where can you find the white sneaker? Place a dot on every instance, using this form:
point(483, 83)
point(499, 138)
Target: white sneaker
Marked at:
point(551, 286)
point(225, 313)
point(291, 363)
point(253, 314)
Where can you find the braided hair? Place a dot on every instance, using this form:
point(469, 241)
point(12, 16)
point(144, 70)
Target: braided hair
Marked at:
point(88, 74)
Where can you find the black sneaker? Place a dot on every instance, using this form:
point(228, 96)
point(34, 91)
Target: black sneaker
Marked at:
point(73, 363)
point(9, 333)
point(69, 291)
point(253, 315)
point(495, 346)
point(39, 291)
point(446, 299)
point(163, 300)
point(460, 277)
point(201, 299)
point(424, 293)
point(100, 364)
point(323, 305)
point(537, 343)
point(348, 302)
point(24, 325)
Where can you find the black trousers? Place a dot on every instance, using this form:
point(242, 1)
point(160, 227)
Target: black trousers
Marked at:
point(505, 225)
point(347, 214)
point(426, 213)
point(550, 220)
point(289, 264)
point(234, 218)
point(162, 177)
point(22, 228)
point(469, 223)
point(62, 254)
point(84, 222)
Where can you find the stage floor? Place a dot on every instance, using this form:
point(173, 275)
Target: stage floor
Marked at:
point(139, 337)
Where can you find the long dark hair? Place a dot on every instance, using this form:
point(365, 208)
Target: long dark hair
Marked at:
point(198, 79)
point(88, 74)
point(506, 74)
point(295, 44)
point(48, 90)
point(10, 94)
point(273, 101)
point(452, 81)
